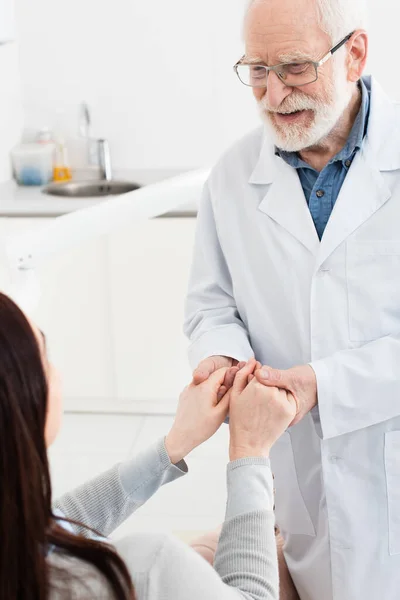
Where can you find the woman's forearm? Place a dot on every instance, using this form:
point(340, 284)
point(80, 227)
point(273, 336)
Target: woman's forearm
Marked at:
point(246, 563)
point(246, 556)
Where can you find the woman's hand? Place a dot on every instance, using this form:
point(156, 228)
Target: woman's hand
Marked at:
point(198, 417)
point(258, 415)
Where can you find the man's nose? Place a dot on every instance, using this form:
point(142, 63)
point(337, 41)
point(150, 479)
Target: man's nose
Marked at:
point(276, 91)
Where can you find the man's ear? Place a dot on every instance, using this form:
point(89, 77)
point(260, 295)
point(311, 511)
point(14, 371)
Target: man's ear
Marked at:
point(357, 55)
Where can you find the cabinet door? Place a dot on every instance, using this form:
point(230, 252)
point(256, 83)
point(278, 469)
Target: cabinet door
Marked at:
point(148, 275)
point(74, 314)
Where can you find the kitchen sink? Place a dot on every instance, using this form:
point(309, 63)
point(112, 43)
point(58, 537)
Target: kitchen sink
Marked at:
point(90, 189)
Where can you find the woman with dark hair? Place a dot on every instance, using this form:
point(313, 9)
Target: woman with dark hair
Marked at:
point(63, 553)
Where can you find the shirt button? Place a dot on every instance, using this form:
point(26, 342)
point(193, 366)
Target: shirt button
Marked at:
point(320, 193)
point(348, 163)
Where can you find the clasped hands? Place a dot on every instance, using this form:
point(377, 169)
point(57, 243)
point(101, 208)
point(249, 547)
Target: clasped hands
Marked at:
point(259, 414)
point(299, 381)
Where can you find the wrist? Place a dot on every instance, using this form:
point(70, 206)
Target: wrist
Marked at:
point(175, 449)
point(236, 452)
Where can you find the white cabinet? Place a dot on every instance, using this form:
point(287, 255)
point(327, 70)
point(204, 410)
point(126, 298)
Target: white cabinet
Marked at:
point(148, 276)
point(73, 313)
point(112, 311)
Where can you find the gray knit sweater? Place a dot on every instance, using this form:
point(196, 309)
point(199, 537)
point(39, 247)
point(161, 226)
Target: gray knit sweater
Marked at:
point(163, 568)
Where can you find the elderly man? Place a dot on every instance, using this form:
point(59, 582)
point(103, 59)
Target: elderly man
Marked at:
point(297, 261)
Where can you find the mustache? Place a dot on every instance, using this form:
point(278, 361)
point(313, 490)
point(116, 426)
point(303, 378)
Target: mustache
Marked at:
point(293, 103)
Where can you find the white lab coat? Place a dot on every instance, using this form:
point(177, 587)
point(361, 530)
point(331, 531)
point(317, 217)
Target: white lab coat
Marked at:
point(262, 282)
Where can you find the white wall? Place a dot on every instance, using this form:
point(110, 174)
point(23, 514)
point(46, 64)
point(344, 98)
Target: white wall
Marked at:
point(157, 73)
point(10, 106)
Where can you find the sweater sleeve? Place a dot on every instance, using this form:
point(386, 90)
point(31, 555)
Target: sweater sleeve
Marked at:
point(246, 556)
point(246, 565)
point(106, 501)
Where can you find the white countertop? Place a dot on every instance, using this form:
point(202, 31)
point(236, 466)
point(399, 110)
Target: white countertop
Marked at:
point(29, 201)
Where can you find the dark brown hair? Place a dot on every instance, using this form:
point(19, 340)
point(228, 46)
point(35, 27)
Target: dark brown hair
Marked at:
point(28, 528)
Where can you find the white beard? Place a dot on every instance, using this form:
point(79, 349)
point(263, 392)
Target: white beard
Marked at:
point(327, 113)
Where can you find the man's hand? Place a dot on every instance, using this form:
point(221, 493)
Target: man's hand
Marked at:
point(301, 382)
point(209, 366)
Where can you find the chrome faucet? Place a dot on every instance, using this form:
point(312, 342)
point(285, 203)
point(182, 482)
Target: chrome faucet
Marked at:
point(98, 149)
point(104, 160)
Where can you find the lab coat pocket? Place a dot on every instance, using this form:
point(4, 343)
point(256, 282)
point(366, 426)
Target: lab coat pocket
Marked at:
point(373, 288)
point(290, 509)
point(392, 467)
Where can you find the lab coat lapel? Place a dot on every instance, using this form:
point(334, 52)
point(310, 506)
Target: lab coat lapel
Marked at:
point(363, 193)
point(284, 201)
point(365, 190)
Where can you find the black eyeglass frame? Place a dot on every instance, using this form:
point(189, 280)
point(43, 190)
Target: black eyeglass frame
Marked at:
point(277, 68)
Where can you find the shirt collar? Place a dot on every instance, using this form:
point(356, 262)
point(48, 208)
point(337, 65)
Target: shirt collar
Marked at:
point(354, 141)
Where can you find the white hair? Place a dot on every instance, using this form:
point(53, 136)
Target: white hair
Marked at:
point(338, 18)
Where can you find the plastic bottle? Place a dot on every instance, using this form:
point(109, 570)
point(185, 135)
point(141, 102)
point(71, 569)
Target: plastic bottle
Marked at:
point(62, 170)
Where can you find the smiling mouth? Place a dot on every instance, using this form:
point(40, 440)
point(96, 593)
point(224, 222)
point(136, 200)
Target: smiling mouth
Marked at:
point(290, 117)
point(294, 113)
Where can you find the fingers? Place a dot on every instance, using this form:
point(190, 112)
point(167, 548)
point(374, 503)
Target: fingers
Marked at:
point(273, 377)
point(203, 371)
point(223, 404)
point(228, 382)
point(241, 378)
point(250, 378)
point(243, 363)
point(221, 393)
point(217, 380)
point(230, 377)
point(209, 366)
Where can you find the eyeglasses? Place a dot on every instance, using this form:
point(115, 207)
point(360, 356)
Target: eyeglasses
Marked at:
point(291, 74)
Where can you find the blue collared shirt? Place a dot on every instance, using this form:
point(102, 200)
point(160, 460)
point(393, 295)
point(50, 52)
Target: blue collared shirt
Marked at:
point(321, 189)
